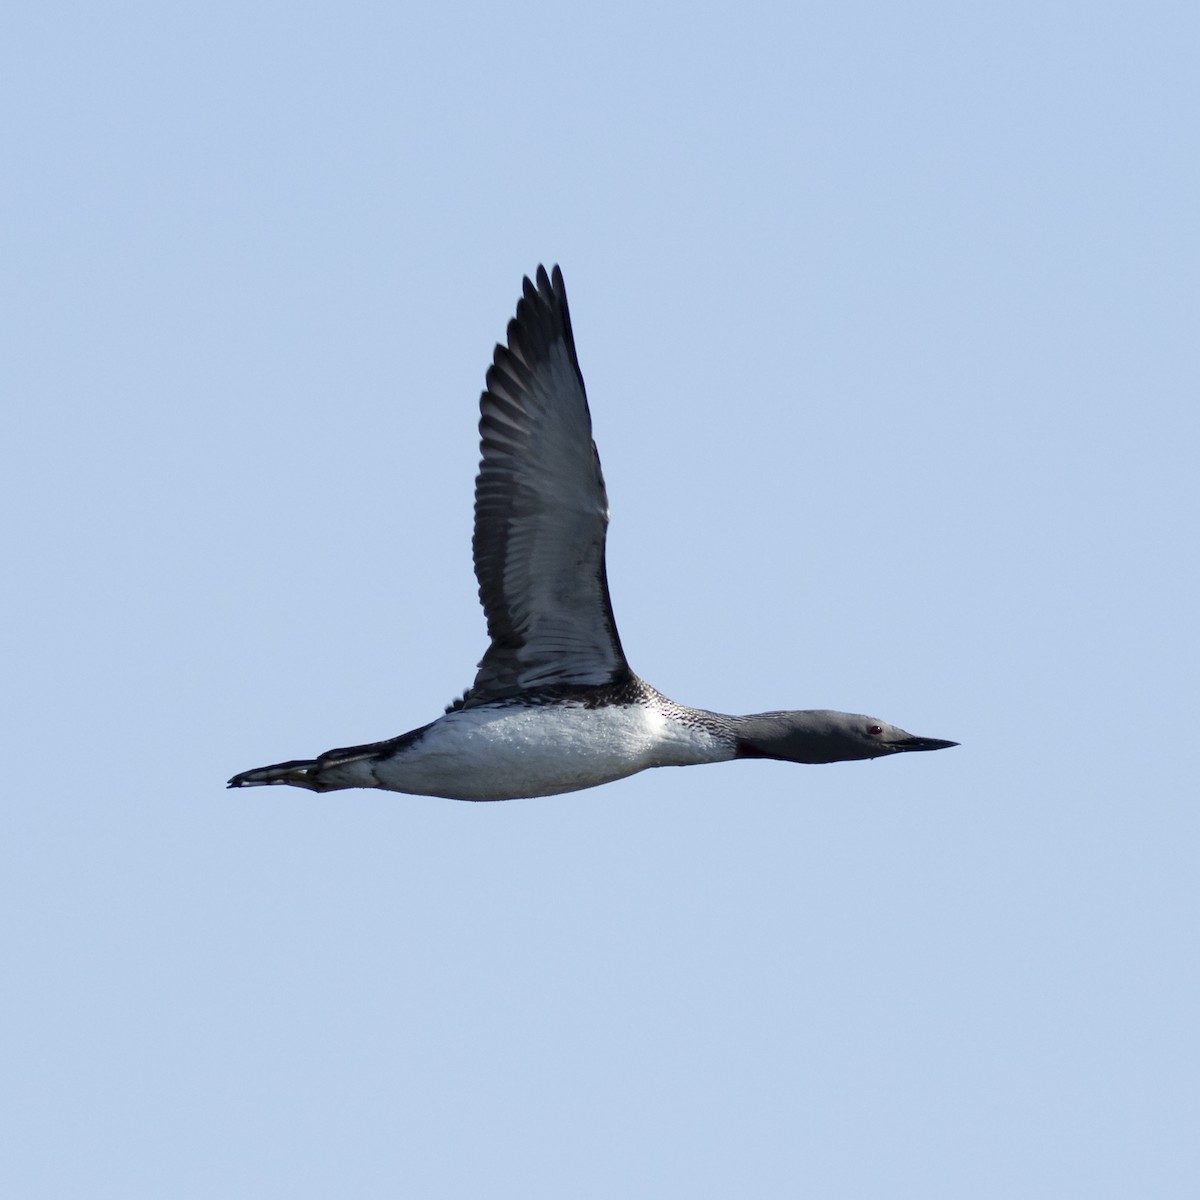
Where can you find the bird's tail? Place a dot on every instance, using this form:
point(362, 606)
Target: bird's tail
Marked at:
point(351, 766)
point(300, 772)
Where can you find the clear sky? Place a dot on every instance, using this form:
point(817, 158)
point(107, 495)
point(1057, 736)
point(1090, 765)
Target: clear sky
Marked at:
point(888, 317)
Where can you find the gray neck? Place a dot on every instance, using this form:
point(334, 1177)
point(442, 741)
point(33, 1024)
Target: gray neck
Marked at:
point(803, 737)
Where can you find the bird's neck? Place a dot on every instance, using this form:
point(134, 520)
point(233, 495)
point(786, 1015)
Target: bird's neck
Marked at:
point(801, 737)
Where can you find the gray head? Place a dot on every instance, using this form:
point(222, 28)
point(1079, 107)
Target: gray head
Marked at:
point(822, 736)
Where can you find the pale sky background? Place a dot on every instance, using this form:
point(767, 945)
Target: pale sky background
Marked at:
point(888, 317)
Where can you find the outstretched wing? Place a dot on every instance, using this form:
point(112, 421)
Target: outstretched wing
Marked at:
point(541, 513)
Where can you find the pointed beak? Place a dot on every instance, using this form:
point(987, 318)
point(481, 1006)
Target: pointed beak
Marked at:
point(920, 743)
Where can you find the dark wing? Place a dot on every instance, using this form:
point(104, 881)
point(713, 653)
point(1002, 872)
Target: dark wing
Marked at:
point(541, 513)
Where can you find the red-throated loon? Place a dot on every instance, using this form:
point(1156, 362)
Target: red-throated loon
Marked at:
point(555, 706)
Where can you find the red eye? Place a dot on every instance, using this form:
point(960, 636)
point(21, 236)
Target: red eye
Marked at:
point(875, 730)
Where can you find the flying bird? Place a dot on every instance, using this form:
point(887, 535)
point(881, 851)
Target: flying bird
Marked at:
point(555, 706)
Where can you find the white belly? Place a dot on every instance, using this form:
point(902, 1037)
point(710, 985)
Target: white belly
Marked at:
point(507, 752)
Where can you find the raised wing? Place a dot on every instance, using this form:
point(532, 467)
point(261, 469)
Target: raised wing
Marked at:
point(541, 513)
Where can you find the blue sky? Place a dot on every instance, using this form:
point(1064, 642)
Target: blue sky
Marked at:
point(887, 315)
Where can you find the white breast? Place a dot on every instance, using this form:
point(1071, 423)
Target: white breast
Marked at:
point(504, 752)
